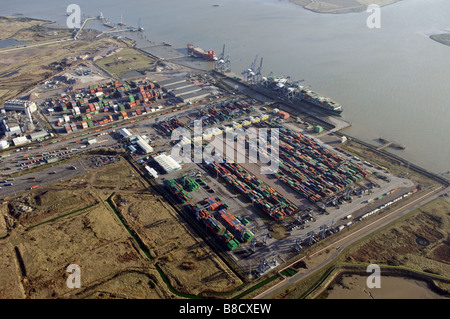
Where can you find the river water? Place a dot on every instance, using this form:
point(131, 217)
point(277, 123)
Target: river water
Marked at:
point(393, 82)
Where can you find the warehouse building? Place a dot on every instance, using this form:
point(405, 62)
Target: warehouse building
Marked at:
point(125, 133)
point(36, 136)
point(20, 106)
point(186, 90)
point(143, 145)
point(193, 97)
point(20, 140)
point(169, 82)
point(151, 171)
point(167, 163)
point(177, 86)
point(10, 126)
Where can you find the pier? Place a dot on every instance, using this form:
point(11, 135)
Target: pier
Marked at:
point(388, 143)
point(82, 27)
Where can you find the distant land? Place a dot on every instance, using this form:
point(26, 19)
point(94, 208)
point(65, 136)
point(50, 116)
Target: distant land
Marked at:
point(340, 6)
point(443, 38)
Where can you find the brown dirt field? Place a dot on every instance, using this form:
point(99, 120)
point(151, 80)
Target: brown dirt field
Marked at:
point(93, 239)
point(190, 265)
point(442, 253)
point(40, 205)
point(112, 264)
point(113, 177)
point(130, 284)
point(10, 285)
point(3, 226)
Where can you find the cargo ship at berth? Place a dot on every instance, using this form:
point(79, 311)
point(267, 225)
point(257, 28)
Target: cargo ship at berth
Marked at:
point(324, 103)
point(293, 92)
point(200, 53)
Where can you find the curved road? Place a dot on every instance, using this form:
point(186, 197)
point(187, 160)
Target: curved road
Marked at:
point(352, 237)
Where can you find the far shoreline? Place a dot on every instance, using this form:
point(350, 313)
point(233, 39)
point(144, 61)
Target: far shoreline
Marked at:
point(330, 7)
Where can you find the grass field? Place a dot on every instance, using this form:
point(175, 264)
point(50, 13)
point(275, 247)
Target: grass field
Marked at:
point(124, 61)
point(402, 244)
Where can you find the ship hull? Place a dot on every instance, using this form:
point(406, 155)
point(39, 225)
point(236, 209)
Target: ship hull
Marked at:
point(333, 112)
point(200, 53)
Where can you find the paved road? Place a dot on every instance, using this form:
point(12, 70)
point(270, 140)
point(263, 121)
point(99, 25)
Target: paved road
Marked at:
point(354, 236)
point(43, 177)
point(35, 45)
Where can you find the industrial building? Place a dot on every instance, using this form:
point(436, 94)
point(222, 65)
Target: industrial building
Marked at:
point(39, 135)
point(10, 126)
point(167, 163)
point(183, 90)
point(125, 133)
point(193, 97)
point(21, 140)
point(141, 142)
point(186, 90)
point(177, 86)
point(151, 171)
point(20, 106)
point(4, 144)
point(143, 145)
point(169, 82)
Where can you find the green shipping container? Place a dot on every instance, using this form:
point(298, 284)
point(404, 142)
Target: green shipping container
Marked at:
point(318, 129)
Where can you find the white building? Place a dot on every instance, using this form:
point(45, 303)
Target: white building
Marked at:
point(167, 163)
point(3, 144)
point(125, 132)
point(146, 148)
point(151, 171)
point(20, 140)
